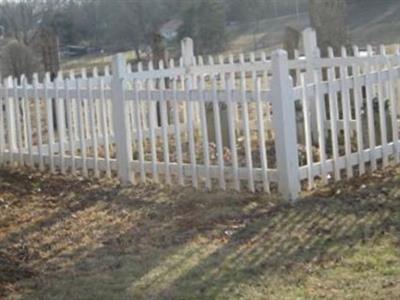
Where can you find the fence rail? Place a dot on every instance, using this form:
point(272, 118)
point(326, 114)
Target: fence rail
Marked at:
point(254, 123)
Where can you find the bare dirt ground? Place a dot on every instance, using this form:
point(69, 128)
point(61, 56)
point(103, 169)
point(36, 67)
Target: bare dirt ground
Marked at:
point(70, 238)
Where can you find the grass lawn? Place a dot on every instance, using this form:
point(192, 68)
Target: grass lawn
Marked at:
point(69, 238)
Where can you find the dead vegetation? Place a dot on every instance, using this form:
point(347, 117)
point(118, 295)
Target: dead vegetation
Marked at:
point(72, 238)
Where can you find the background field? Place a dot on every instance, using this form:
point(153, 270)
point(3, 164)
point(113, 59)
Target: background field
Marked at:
point(369, 23)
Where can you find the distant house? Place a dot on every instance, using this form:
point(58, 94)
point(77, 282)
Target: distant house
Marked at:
point(77, 51)
point(169, 30)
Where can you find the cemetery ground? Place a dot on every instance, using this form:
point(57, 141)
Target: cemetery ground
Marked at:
point(70, 238)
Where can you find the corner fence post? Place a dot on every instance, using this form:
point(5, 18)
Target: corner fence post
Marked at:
point(121, 121)
point(311, 52)
point(284, 122)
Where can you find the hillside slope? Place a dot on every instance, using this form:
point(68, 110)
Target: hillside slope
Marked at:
point(370, 22)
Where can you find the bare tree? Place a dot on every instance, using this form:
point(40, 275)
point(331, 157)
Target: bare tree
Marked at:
point(18, 59)
point(20, 18)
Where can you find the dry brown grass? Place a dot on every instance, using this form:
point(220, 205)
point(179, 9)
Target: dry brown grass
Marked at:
point(70, 238)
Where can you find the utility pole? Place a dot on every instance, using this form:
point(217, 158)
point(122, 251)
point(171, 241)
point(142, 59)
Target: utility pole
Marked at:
point(274, 4)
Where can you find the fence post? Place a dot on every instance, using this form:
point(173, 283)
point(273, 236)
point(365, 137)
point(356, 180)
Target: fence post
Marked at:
point(120, 121)
point(310, 51)
point(284, 122)
point(187, 51)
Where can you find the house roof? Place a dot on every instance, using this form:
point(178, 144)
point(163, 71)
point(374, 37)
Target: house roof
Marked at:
point(171, 26)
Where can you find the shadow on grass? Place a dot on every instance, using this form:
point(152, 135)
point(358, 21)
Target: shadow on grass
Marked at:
point(170, 244)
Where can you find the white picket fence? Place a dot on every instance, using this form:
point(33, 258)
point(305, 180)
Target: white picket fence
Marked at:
point(241, 122)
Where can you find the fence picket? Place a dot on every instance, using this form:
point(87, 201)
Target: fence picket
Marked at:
point(345, 101)
point(38, 119)
point(85, 106)
point(334, 116)
point(218, 134)
point(164, 127)
point(190, 131)
point(18, 113)
point(177, 131)
point(28, 121)
point(104, 122)
point(99, 125)
point(382, 116)
point(320, 104)
point(139, 130)
point(92, 124)
point(2, 128)
point(358, 107)
point(261, 136)
point(370, 111)
point(151, 125)
point(109, 109)
point(232, 129)
point(24, 121)
point(307, 129)
point(81, 129)
point(50, 121)
point(70, 121)
point(204, 132)
point(393, 112)
point(246, 128)
point(59, 102)
point(10, 112)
